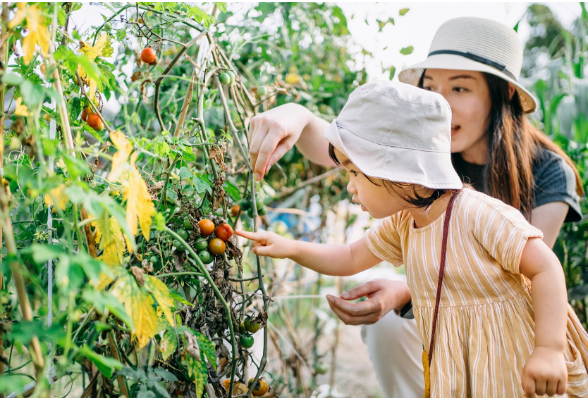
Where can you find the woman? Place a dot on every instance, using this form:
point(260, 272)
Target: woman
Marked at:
point(474, 63)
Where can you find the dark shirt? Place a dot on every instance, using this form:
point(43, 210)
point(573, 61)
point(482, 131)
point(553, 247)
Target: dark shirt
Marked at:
point(554, 180)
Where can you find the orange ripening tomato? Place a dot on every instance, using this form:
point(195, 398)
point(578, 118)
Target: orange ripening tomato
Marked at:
point(217, 246)
point(224, 232)
point(235, 210)
point(85, 113)
point(148, 55)
point(95, 122)
point(206, 226)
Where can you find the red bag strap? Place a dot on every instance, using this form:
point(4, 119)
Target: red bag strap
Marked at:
point(441, 270)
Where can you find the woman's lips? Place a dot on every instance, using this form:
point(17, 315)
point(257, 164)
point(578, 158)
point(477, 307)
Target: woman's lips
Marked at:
point(454, 129)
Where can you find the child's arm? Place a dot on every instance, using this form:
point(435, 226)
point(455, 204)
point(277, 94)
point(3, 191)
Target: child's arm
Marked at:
point(545, 371)
point(328, 259)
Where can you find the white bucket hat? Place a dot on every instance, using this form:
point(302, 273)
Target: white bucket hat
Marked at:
point(397, 132)
point(475, 44)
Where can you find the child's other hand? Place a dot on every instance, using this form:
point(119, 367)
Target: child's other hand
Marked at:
point(545, 373)
point(268, 243)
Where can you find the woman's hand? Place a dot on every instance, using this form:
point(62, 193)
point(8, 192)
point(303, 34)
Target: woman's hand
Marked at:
point(383, 296)
point(545, 373)
point(274, 132)
point(269, 244)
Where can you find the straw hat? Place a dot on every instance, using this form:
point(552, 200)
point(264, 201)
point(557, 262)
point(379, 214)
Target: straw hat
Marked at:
point(397, 132)
point(475, 44)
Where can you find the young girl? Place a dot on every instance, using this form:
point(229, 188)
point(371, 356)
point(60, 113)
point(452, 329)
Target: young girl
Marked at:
point(471, 261)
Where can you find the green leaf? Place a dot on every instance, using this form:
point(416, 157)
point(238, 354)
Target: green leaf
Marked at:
point(12, 383)
point(202, 185)
point(32, 93)
point(168, 343)
point(104, 364)
point(76, 167)
point(43, 253)
point(232, 190)
point(177, 297)
point(103, 301)
point(185, 173)
point(206, 347)
point(197, 370)
point(407, 50)
point(403, 11)
point(392, 72)
point(159, 221)
point(12, 79)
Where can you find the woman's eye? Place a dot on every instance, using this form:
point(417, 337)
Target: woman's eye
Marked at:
point(429, 88)
point(353, 172)
point(459, 89)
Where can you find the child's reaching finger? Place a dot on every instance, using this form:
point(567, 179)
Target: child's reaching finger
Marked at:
point(255, 236)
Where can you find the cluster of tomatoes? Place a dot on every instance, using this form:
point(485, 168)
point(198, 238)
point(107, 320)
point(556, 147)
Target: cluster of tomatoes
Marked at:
point(227, 78)
point(206, 249)
point(92, 119)
point(240, 389)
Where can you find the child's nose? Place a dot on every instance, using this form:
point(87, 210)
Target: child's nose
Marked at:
point(351, 188)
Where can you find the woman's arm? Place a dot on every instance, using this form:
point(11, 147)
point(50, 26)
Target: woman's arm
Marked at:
point(545, 371)
point(549, 218)
point(328, 259)
point(274, 132)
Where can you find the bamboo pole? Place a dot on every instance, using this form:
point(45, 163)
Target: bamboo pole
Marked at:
point(4, 58)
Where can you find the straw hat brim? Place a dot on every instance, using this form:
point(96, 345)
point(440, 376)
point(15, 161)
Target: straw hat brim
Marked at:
point(412, 74)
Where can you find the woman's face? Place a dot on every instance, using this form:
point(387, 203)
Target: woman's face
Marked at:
point(467, 94)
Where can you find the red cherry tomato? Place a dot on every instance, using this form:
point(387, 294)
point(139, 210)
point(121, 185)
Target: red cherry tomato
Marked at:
point(206, 226)
point(224, 232)
point(148, 55)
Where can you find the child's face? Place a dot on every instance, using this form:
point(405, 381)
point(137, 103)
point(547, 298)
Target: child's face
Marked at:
point(376, 200)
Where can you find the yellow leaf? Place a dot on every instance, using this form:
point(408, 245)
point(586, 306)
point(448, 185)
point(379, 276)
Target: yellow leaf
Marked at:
point(37, 31)
point(105, 279)
point(59, 195)
point(119, 159)
point(94, 51)
point(161, 293)
point(139, 305)
point(21, 109)
point(110, 239)
point(139, 203)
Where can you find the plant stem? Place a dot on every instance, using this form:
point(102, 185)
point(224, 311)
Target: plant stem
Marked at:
point(204, 271)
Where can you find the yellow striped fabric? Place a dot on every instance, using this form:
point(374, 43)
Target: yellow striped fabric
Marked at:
point(485, 327)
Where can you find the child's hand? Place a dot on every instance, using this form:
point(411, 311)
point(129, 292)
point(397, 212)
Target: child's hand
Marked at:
point(268, 243)
point(545, 373)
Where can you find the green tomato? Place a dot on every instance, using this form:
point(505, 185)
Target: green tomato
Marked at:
point(201, 244)
point(321, 368)
point(225, 78)
point(183, 233)
point(205, 257)
point(153, 259)
point(108, 26)
point(252, 326)
point(232, 75)
point(187, 224)
point(258, 202)
point(261, 91)
point(262, 210)
point(245, 205)
point(250, 213)
point(178, 245)
point(246, 341)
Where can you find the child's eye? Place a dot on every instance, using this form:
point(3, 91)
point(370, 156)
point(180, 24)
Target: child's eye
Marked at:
point(353, 172)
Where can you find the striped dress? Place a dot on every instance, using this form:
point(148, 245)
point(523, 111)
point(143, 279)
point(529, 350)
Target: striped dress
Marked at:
point(485, 327)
